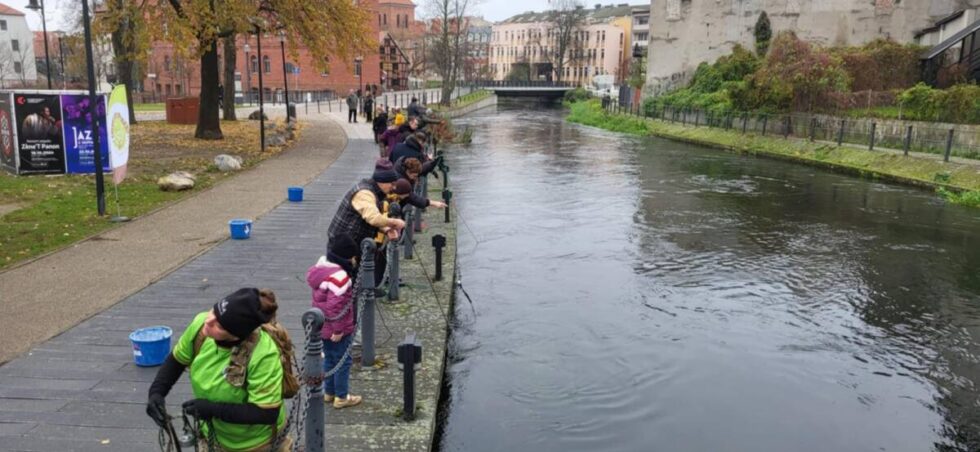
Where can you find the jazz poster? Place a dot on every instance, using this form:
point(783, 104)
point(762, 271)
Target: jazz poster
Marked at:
point(78, 113)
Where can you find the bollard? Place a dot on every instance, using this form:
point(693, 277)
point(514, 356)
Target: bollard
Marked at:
point(410, 213)
point(949, 146)
point(409, 356)
point(395, 211)
point(439, 242)
point(368, 248)
point(871, 145)
point(840, 133)
point(313, 379)
point(908, 140)
point(446, 196)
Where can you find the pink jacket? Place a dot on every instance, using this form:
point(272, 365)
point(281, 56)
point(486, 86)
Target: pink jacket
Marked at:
point(332, 292)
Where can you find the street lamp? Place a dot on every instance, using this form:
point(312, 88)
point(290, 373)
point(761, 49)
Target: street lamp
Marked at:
point(357, 68)
point(258, 43)
point(93, 104)
point(285, 77)
point(61, 53)
point(248, 72)
point(36, 6)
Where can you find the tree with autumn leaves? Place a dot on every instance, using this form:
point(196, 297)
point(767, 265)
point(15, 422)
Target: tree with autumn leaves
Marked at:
point(327, 28)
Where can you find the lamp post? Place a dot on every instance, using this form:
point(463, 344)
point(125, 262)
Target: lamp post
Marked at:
point(248, 72)
point(39, 6)
point(357, 68)
point(285, 76)
point(258, 43)
point(93, 104)
point(61, 53)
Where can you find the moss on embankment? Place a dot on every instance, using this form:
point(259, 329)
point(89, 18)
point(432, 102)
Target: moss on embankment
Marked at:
point(957, 182)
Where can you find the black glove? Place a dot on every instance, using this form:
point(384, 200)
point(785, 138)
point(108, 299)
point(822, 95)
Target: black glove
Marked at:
point(200, 408)
point(156, 408)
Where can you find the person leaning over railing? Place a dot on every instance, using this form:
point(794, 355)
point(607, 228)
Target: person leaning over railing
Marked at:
point(412, 147)
point(404, 194)
point(241, 401)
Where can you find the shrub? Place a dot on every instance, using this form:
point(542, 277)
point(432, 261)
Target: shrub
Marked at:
point(577, 95)
point(809, 74)
point(881, 65)
point(960, 103)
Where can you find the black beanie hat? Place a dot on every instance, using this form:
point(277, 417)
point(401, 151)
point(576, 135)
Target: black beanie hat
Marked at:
point(344, 247)
point(384, 171)
point(240, 312)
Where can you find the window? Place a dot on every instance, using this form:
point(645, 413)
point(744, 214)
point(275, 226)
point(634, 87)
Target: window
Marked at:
point(18, 68)
point(15, 45)
point(254, 64)
point(641, 36)
point(642, 20)
point(166, 63)
point(266, 64)
point(177, 90)
point(3, 25)
point(386, 18)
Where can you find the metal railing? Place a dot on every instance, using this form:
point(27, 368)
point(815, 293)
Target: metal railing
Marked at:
point(906, 136)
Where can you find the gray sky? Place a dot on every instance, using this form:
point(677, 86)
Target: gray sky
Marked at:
point(497, 10)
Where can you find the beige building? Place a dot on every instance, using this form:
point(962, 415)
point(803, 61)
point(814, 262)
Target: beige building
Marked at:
point(525, 45)
point(685, 33)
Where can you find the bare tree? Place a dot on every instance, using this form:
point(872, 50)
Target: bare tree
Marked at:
point(567, 19)
point(22, 58)
point(450, 27)
point(6, 64)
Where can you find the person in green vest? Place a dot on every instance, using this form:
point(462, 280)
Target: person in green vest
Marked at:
point(240, 398)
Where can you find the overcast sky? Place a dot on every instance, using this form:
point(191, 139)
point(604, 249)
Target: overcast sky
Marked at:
point(492, 10)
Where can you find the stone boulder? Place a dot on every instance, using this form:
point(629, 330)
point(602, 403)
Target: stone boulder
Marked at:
point(226, 163)
point(275, 139)
point(178, 181)
point(255, 116)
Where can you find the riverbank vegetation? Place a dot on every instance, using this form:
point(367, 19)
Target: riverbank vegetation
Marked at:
point(957, 182)
point(881, 78)
point(39, 214)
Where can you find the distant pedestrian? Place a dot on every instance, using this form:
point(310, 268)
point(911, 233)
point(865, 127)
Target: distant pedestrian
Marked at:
point(368, 107)
point(352, 102)
point(332, 280)
point(380, 124)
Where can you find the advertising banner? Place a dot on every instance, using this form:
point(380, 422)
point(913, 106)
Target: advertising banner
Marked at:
point(118, 123)
point(8, 144)
point(77, 112)
point(40, 144)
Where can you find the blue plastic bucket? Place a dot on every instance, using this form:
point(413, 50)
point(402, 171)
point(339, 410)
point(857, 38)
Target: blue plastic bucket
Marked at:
point(240, 229)
point(151, 345)
point(295, 194)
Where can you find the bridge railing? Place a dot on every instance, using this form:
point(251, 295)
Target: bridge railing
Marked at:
point(522, 84)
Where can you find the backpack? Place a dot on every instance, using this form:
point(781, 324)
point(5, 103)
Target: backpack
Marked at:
point(235, 373)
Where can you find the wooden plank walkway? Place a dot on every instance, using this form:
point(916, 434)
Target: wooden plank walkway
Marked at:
point(80, 391)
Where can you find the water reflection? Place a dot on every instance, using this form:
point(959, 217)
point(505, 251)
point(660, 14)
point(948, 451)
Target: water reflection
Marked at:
point(647, 295)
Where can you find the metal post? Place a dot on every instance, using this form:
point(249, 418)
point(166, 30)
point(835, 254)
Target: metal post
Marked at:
point(813, 129)
point(438, 242)
point(949, 145)
point(908, 140)
point(409, 356)
point(395, 211)
point(786, 126)
point(840, 133)
point(99, 179)
point(285, 76)
point(36, 6)
point(410, 213)
point(258, 42)
point(368, 248)
point(313, 379)
point(446, 196)
point(697, 117)
point(871, 146)
point(765, 123)
point(745, 123)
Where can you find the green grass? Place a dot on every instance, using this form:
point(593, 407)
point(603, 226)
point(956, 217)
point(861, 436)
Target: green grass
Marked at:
point(59, 210)
point(465, 100)
point(960, 180)
point(158, 106)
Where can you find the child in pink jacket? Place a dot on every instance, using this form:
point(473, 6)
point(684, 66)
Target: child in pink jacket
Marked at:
point(332, 280)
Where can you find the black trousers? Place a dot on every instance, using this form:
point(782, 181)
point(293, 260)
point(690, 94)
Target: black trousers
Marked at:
point(352, 115)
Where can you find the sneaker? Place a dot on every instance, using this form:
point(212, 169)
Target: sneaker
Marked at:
point(351, 400)
point(328, 398)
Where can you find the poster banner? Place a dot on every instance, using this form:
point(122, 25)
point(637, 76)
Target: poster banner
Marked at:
point(8, 145)
point(77, 112)
point(118, 123)
point(40, 144)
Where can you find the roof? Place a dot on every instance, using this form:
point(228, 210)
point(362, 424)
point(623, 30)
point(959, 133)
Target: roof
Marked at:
point(941, 47)
point(936, 26)
point(8, 11)
point(599, 13)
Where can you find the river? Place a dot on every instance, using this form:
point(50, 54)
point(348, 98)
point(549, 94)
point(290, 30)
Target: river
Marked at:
point(637, 294)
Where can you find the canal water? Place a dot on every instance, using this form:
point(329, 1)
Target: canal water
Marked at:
point(645, 295)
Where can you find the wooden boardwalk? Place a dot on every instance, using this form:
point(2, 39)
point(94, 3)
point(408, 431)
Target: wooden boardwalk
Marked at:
point(80, 391)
